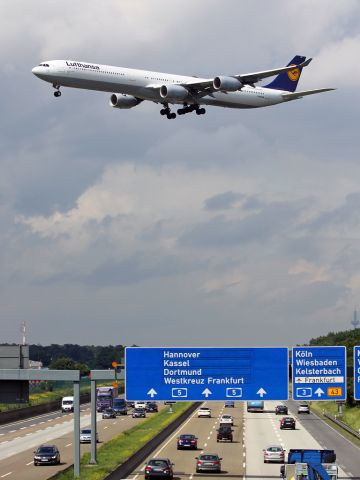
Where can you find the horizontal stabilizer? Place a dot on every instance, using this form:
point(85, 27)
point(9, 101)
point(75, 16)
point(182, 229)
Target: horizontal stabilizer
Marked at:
point(295, 95)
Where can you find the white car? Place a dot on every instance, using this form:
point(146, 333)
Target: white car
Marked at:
point(303, 408)
point(140, 405)
point(274, 453)
point(227, 419)
point(204, 412)
point(85, 435)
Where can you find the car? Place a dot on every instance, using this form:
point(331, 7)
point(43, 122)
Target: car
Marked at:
point(204, 412)
point(229, 404)
point(169, 402)
point(224, 433)
point(130, 404)
point(281, 410)
point(226, 419)
point(140, 405)
point(187, 440)
point(109, 413)
point(151, 407)
point(287, 423)
point(159, 467)
point(120, 406)
point(208, 462)
point(304, 408)
point(274, 454)
point(46, 455)
point(85, 435)
point(138, 413)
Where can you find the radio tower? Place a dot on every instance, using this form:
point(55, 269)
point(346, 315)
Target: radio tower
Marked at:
point(23, 332)
point(355, 322)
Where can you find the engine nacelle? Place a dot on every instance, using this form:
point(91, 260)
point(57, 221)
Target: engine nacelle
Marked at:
point(173, 92)
point(228, 84)
point(123, 101)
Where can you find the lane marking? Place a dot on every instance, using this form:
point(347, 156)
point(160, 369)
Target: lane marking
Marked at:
point(33, 425)
point(12, 431)
point(23, 428)
point(30, 463)
point(28, 434)
point(6, 474)
point(68, 445)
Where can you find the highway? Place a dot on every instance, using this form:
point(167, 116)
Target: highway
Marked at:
point(242, 458)
point(19, 440)
point(252, 433)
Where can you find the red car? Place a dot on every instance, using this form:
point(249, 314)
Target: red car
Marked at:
point(287, 422)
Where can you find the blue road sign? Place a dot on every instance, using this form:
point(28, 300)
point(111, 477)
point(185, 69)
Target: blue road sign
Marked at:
point(357, 373)
point(319, 373)
point(206, 373)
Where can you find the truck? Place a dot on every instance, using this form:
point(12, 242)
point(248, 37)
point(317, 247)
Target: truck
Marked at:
point(105, 397)
point(67, 404)
point(255, 406)
point(310, 464)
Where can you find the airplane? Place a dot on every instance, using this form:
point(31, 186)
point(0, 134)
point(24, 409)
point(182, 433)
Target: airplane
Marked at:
point(130, 87)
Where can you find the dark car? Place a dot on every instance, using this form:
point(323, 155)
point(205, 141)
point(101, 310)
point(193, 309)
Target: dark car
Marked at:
point(46, 455)
point(229, 404)
point(151, 407)
point(138, 413)
point(208, 462)
point(159, 467)
point(187, 441)
point(281, 410)
point(287, 422)
point(120, 406)
point(109, 413)
point(224, 434)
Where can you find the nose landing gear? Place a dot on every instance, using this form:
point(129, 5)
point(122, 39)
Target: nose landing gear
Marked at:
point(57, 93)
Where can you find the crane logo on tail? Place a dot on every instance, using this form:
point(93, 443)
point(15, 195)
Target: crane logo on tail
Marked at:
point(294, 74)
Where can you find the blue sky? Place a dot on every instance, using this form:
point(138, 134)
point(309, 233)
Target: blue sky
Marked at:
point(231, 229)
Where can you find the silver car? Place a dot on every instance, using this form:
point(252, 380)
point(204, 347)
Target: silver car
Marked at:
point(208, 462)
point(303, 408)
point(274, 453)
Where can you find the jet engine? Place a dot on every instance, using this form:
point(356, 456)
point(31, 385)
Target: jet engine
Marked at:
point(123, 101)
point(228, 84)
point(173, 92)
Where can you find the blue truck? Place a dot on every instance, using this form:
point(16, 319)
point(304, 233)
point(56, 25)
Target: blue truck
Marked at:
point(310, 464)
point(255, 406)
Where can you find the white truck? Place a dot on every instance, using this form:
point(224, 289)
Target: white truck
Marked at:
point(67, 404)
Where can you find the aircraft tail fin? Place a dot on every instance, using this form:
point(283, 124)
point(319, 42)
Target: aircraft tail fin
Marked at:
point(288, 80)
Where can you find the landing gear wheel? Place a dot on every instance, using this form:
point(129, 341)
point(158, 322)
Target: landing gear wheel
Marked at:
point(163, 111)
point(57, 93)
point(202, 111)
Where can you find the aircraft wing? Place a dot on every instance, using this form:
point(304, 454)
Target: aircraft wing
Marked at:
point(202, 86)
point(296, 95)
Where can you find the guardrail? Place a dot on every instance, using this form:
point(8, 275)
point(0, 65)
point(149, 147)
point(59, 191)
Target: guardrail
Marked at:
point(123, 470)
point(342, 425)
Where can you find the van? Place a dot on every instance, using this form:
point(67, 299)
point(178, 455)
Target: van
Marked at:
point(67, 404)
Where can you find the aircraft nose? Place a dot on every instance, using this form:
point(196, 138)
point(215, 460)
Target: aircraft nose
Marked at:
point(36, 70)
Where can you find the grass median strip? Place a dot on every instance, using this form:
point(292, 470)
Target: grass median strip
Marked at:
point(116, 451)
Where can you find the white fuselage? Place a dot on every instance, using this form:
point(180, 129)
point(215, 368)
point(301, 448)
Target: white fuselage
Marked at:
point(144, 84)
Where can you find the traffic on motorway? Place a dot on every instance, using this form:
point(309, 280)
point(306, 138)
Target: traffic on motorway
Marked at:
point(219, 437)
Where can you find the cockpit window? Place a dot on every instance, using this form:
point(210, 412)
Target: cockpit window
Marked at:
point(44, 65)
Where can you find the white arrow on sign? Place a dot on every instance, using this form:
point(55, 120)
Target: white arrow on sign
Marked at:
point(319, 392)
point(261, 392)
point(152, 392)
point(206, 392)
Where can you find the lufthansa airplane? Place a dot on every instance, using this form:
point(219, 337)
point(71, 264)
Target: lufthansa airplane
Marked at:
point(129, 87)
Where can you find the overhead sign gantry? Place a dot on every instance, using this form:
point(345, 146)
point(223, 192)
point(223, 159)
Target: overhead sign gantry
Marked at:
point(319, 373)
point(199, 374)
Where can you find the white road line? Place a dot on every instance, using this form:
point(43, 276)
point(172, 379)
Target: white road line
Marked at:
point(6, 474)
point(22, 428)
point(28, 434)
point(68, 445)
point(5, 441)
point(205, 444)
point(30, 463)
point(105, 428)
point(41, 422)
point(33, 425)
point(12, 431)
point(2, 434)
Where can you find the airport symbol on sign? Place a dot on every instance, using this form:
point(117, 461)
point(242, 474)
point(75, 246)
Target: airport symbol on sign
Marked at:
point(357, 372)
point(198, 374)
point(319, 373)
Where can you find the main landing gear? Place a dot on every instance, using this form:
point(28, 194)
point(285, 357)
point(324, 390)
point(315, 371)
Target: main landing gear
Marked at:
point(181, 111)
point(191, 108)
point(57, 93)
point(166, 111)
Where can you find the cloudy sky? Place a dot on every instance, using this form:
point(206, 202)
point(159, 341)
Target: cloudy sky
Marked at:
point(236, 228)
